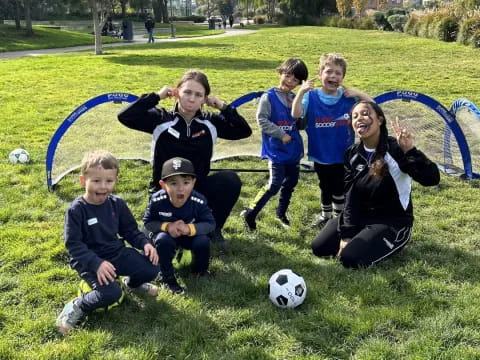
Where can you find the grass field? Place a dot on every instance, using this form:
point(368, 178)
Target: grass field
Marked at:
point(422, 304)
point(12, 39)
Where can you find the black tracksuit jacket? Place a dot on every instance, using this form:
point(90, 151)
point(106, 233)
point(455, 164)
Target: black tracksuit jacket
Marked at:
point(371, 201)
point(173, 136)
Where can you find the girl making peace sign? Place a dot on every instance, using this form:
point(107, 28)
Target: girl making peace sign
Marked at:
point(378, 215)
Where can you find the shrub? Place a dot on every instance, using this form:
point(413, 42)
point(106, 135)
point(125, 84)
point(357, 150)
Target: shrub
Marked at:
point(475, 41)
point(381, 21)
point(426, 24)
point(258, 19)
point(397, 22)
point(367, 23)
point(395, 11)
point(333, 20)
point(346, 23)
point(467, 28)
point(411, 26)
point(446, 29)
point(194, 18)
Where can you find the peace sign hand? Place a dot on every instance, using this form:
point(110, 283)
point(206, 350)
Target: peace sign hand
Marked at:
point(404, 137)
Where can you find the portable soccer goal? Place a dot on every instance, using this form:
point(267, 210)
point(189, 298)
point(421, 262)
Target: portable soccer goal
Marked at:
point(438, 132)
point(443, 135)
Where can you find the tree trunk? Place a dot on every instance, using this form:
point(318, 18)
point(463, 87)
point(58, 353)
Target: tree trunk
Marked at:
point(123, 4)
point(97, 27)
point(28, 17)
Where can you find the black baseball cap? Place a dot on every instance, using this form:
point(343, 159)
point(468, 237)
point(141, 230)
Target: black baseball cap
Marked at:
point(177, 166)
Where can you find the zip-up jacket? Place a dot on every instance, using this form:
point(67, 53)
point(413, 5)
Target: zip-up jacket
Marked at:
point(174, 136)
point(386, 200)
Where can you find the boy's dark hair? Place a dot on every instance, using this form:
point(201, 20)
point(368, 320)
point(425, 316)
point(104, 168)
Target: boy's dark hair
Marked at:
point(198, 76)
point(98, 158)
point(294, 66)
point(333, 59)
point(379, 166)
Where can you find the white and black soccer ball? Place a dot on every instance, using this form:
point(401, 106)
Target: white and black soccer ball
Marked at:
point(19, 156)
point(287, 289)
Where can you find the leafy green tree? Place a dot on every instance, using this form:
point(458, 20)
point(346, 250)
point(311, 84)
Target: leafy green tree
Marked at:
point(344, 7)
point(359, 6)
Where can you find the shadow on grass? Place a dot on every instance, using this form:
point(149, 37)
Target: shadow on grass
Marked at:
point(189, 60)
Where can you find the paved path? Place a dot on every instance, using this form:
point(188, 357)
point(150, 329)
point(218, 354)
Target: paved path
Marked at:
point(137, 39)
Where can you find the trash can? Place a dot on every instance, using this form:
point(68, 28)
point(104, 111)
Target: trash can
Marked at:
point(127, 31)
point(211, 24)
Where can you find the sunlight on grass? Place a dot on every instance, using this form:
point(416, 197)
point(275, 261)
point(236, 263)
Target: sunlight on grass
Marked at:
point(421, 304)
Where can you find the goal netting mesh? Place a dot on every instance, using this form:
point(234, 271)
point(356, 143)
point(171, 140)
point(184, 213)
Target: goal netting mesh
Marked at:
point(94, 125)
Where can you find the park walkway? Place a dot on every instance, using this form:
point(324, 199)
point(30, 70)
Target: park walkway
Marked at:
point(137, 39)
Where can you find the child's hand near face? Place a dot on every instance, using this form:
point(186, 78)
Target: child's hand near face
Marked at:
point(166, 92)
point(215, 102)
point(307, 86)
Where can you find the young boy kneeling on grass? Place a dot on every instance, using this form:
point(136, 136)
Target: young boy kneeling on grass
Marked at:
point(96, 225)
point(178, 216)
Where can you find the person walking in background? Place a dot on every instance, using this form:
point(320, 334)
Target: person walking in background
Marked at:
point(230, 20)
point(150, 25)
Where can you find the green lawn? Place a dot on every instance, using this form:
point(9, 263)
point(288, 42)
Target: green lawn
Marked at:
point(422, 304)
point(184, 31)
point(44, 37)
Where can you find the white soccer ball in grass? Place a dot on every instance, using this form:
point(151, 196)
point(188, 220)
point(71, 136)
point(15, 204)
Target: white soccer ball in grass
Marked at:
point(19, 156)
point(287, 289)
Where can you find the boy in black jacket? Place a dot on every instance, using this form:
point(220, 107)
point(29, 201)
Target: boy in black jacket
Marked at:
point(178, 216)
point(96, 225)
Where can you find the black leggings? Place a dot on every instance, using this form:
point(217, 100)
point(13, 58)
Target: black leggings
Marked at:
point(222, 190)
point(372, 244)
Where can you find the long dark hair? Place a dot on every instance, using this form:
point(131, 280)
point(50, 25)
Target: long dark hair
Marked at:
point(378, 167)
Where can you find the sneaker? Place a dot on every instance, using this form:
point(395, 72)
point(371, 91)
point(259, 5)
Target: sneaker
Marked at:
point(69, 317)
point(321, 221)
point(172, 285)
point(217, 237)
point(284, 221)
point(249, 220)
point(145, 288)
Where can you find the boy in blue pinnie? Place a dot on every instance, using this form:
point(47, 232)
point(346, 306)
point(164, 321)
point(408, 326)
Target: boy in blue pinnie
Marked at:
point(325, 114)
point(96, 225)
point(282, 143)
point(178, 216)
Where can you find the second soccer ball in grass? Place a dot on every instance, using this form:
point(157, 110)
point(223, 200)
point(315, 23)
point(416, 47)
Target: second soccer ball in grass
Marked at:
point(19, 156)
point(287, 289)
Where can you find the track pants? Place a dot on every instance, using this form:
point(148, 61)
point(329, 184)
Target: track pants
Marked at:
point(330, 181)
point(129, 262)
point(372, 244)
point(167, 245)
point(283, 178)
point(222, 190)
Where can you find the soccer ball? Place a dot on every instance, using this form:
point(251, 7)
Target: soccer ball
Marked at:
point(287, 289)
point(19, 156)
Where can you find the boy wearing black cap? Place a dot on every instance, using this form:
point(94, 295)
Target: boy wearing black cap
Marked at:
point(178, 216)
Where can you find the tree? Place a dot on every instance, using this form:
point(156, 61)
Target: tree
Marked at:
point(382, 4)
point(359, 6)
point(344, 7)
point(101, 11)
point(28, 17)
point(225, 7)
